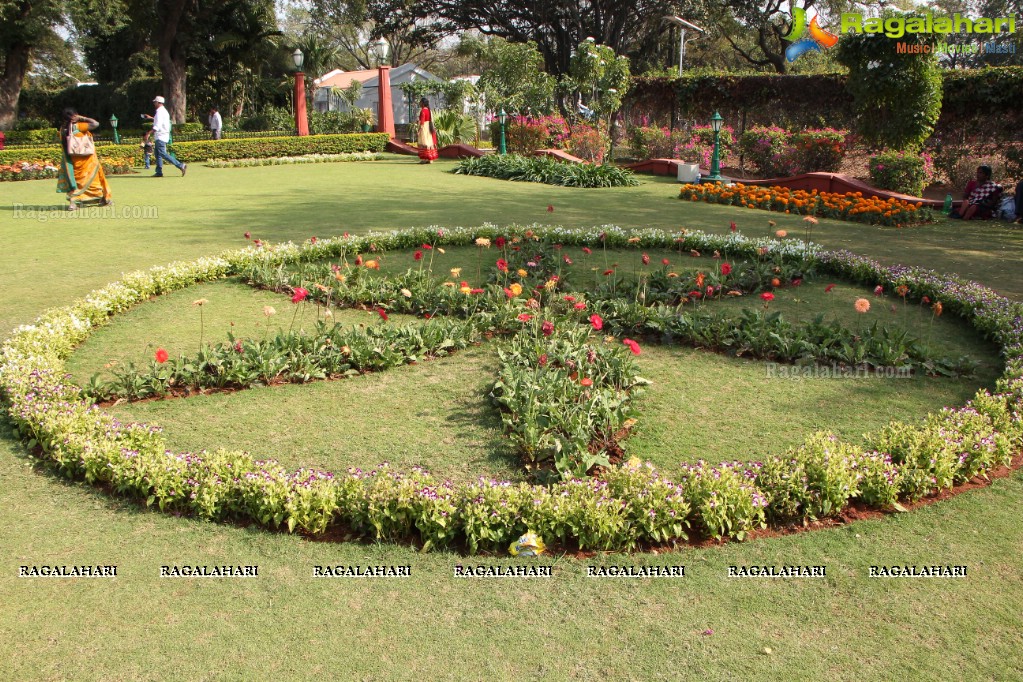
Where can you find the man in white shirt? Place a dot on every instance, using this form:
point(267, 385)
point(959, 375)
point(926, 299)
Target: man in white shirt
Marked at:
point(216, 123)
point(161, 132)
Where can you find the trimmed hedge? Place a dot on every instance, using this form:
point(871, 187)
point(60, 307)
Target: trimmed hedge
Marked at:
point(245, 148)
point(969, 99)
point(261, 148)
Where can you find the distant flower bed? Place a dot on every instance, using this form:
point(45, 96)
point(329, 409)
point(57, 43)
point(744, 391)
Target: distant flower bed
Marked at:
point(290, 160)
point(45, 170)
point(851, 206)
point(546, 170)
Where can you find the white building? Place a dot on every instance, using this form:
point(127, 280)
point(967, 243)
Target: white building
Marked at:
point(326, 96)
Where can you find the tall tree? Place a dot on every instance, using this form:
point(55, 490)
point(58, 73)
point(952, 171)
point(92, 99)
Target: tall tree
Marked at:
point(353, 24)
point(558, 26)
point(25, 25)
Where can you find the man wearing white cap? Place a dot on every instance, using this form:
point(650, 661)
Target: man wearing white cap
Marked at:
point(161, 131)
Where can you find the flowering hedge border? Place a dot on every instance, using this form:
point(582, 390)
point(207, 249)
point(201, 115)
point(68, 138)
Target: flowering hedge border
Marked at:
point(627, 507)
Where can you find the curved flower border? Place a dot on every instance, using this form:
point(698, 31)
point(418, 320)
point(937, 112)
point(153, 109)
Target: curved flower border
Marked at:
point(628, 507)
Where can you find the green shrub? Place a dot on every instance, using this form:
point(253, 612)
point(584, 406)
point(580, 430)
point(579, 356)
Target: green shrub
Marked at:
point(897, 98)
point(334, 122)
point(903, 172)
point(33, 136)
point(546, 170)
point(188, 128)
point(26, 124)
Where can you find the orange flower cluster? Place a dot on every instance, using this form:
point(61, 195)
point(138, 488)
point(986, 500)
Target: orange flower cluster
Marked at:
point(849, 206)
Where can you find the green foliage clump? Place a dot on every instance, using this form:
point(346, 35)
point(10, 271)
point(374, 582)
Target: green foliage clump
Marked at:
point(897, 96)
point(546, 170)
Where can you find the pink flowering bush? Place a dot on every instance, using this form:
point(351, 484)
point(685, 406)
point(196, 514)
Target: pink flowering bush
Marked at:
point(905, 172)
point(588, 143)
point(693, 145)
point(776, 152)
point(524, 135)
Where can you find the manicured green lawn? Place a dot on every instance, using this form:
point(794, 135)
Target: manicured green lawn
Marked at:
point(287, 625)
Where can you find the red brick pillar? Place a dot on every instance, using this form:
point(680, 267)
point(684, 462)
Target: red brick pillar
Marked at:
point(301, 119)
point(385, 113)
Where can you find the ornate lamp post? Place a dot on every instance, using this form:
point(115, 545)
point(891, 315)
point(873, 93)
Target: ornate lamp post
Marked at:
point(502, 117)
point(715, 159)
point(385, 112)
point(113, 124)
point(301, 119)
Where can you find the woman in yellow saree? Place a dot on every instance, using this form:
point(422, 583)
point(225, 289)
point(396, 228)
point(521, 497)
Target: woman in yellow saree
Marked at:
point(80, 176)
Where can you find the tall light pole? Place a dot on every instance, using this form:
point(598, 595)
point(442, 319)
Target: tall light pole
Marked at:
point(715, 159)
point(503, 146)
point(385, 112)
point(682, 26)
point(301, 119)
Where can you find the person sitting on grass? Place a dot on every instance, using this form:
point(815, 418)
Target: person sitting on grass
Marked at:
point(1019, 203)
point(982, 200)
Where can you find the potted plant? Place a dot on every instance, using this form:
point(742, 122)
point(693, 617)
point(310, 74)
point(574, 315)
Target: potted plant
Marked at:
point(365, 118)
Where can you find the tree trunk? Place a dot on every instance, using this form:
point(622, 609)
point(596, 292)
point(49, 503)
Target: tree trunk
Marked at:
point(15, 66)
point(172, 58)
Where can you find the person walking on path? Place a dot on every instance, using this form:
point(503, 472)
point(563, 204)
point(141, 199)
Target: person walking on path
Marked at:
point(427, 133)
point(161, 131)
point(216, 123)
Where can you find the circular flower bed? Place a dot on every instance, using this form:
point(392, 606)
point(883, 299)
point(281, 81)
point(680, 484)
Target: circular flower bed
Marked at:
point(626, 507)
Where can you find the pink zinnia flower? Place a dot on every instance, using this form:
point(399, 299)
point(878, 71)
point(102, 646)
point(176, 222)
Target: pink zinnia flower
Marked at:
point(597, 321)
point(299, 295)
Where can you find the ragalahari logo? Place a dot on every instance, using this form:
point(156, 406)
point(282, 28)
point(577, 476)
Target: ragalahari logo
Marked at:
point(818, 40)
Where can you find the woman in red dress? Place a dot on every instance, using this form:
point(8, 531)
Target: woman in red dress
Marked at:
point(427, 134)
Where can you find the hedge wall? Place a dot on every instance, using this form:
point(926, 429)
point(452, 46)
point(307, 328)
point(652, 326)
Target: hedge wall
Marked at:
point(985, 102)
point(246, 148)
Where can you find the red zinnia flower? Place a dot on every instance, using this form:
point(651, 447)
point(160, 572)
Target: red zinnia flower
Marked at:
point(550, 208)
point(646, 259)
point(502, 265)
point(524, 317)
point(827, 289)
point(710, 290)
point(580, 306)
point(427, 316)
point(547, 328)
point(665, 261)
point(382, 313)
point(300, 295)
point(568, 261)
point(732, 226)
point(257, 242)
point(925, 300)
point(418, 255)
point(633, 346)
point(878, 290)
point(499, 242)
point(161, 355)
point(248, 235)
point(570, 299)
point(543, 360)
point(427, 247)
point(597, 321)
point(726, 269)
point(312, 240)
point(476, 291)
point(587, 250)
point(238, 347)
point(586, 381)
point(767, 296)
point(609, 272)
point(358, 260)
